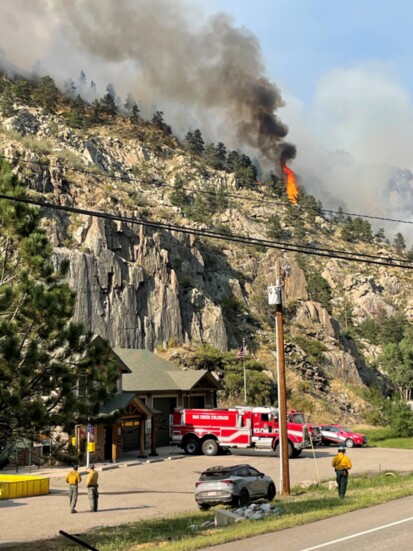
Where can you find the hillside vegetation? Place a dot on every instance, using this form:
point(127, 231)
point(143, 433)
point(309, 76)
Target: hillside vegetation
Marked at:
point(153, 276)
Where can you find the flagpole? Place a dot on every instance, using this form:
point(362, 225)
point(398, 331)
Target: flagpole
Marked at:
point(245, 372)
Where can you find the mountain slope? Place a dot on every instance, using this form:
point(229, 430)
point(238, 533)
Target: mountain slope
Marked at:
point(145, 286)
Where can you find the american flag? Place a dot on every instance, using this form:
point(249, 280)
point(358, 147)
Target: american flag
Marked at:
point(241, 353)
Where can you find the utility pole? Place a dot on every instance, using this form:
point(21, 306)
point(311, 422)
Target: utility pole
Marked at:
point(275, 297)
point(245, 372)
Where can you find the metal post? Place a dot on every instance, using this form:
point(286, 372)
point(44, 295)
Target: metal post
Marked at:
point(87, 443)
point(245, 372)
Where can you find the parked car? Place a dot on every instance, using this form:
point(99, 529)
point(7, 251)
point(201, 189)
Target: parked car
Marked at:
point(236, 485)
point(339, 434)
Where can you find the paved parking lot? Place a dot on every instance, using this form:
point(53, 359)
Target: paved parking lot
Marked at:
point(135, 490)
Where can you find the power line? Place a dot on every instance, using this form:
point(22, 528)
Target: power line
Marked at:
point(210, 192)
point(304, 249)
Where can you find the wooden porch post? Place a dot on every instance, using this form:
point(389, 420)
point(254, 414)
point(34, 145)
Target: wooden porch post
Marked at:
point(153, 435)
point(142, 437)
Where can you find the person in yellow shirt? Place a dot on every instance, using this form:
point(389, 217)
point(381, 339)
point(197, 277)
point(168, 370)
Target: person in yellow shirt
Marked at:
point(342, 465)
point(73, 478)
point(92, 489)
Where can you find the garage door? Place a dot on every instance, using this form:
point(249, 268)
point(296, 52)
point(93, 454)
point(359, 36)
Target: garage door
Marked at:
point(166, 407)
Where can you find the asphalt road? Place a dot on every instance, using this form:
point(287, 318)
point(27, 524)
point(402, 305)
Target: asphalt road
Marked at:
point(136, 491)
point(385, 527)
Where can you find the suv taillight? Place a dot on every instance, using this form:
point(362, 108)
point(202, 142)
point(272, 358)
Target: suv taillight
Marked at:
point(198, 483)
point(228, 482)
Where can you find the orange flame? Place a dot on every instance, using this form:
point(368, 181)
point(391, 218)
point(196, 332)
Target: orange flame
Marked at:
point(291, 186)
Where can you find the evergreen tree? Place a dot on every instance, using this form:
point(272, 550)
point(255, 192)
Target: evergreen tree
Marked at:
point(78, 113)
point(134, 118)
point(178, 197)
point(70, 88)
point(319, 290)
point(159, 122)
point(129, 104)
point(43, 355)
point(233, 161)
point(46, 94)
point(96, 111)
point(339, 218)
point(216, 156)
point(22, 91)
point(399, 243)
point(275, 185)
point(275, 230)
point(380, 236)
point(82, 81)
point(6, 100)
point(108, 105)
point(195, 142)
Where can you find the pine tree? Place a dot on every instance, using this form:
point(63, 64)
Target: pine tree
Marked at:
point(46, 94)
point(22, 91)
point(43, 355)
point(78, 113)
point(96, 111)
point(399, 243)
point(134, 118)
point(108, 105)
point(195, 142)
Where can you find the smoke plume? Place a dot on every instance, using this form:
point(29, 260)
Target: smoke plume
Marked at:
point(167, 53)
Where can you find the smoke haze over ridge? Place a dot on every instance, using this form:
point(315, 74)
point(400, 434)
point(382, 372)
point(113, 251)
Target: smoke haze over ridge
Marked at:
point(205, 72)
point(165, 53)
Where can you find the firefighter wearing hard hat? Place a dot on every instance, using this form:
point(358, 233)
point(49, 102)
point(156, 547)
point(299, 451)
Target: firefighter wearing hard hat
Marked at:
point(342, 466)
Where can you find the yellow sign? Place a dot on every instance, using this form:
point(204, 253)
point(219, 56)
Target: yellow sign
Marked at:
point(91, 447)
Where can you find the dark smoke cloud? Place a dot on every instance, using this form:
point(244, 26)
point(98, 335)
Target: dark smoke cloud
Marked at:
point(179, 56)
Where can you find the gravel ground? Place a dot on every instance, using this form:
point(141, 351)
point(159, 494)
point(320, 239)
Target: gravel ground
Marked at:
point(136, 490)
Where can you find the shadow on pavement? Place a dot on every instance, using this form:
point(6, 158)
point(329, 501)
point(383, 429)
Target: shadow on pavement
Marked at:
point(142, 492)
point(8, 503)
point(124, 508)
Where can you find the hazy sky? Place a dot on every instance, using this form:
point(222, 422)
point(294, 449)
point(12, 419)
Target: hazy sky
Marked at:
point(342, 68)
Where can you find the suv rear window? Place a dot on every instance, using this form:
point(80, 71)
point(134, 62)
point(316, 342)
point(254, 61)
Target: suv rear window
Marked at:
point(215, 475)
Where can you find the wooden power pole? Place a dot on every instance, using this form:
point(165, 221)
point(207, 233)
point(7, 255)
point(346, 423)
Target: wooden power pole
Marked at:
point(281, 382)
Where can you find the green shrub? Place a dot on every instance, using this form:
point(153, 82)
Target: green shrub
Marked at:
point(312, 347)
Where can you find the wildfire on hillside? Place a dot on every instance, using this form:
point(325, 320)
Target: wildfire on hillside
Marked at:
point(290, 184)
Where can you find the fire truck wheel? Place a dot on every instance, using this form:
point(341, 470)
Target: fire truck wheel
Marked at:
point(271, 492)
point(290, 450)
point(296, 453)
point(191, 446)
point(210, 447)
point(244, 497)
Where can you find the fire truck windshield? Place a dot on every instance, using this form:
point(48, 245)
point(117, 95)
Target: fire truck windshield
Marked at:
point(298, 418)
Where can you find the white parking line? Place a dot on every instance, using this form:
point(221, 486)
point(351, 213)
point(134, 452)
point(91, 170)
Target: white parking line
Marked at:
point(332, 542)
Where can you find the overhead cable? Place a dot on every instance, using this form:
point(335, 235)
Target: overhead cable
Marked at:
point(303, 249)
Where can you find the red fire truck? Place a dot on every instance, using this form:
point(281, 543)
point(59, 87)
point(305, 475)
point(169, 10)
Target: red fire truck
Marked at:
point(209, 430)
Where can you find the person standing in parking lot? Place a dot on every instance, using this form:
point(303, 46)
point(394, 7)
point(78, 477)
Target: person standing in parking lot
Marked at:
point(92, 489)
point(342, 465)
point(73, 478)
